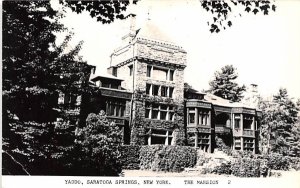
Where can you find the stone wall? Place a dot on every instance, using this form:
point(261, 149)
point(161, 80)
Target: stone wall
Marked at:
point(160, 51)
point(139, 54)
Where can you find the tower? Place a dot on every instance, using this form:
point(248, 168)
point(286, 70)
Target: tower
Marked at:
point(152, 67)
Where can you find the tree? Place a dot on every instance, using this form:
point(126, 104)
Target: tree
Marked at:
point(31, 70)
point(35, 70)
point(107, 11)
point(104, 11)
point(224, 85)
point(221, 11)
point(97, 147)
point(280, 130)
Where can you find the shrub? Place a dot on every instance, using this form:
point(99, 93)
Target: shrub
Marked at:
point(277, 161)
point(97, 147)
point(129, 158)
point(167, 158)
point(246, 167)
point(224, 168)
point(295, 163)
point(220, 144)
point(243, 167)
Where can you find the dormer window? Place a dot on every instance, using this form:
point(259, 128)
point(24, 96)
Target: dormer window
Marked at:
point(160, 73)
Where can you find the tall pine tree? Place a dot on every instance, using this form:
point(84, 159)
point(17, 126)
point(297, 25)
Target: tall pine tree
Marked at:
point(224, 85)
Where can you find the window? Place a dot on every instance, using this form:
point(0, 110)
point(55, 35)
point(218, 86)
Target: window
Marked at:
point(237, 143)
point(164, 91)
point(149, 68)
point(171, 89)
point(148, 110)
point(114, 71)
point(155, 110)
point(148, 89)
point(191, 117)
point(203, 117)
point(115, 108)
point(159, 111)
point(163, 112)
point(114, 86)
point(130, 70)
point(248, 121)
point(118, 110)
point(171, 115)
point(155, 89)
point(160, 74)
point(171, 76)
point(237, 123)
point(158, 136)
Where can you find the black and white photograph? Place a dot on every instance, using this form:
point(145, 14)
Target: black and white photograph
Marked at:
point(148, 92)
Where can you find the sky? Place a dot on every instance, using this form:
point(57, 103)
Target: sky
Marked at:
point(264, 49)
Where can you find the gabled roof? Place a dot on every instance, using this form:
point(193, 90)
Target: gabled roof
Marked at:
point(152, 32)
point(107, 76)
point(224, 102)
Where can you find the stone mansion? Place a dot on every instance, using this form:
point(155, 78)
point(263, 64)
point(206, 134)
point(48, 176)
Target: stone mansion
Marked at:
point(144, 93)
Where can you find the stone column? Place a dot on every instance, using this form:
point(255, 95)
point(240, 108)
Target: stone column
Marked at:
point(254, 146)
point(196, 117)
point(167, 138)
point(242, 123)
point(188, 115)
point(149, 140)
point(253, 124)
point(242, 131)
point(242, 143)
point(196, 139)
point(210, 146)
point(209, 118)
point(233, 121)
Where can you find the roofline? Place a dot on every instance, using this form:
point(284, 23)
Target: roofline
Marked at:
point(97, 77)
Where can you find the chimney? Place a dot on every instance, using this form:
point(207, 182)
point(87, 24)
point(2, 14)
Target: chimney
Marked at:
point(132, 24)
point(253, 88)
point(132, 21)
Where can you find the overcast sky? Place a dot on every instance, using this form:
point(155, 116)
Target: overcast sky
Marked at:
point(264, 49)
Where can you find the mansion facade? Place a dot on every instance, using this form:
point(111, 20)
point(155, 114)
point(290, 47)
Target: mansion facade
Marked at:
point(144, 93)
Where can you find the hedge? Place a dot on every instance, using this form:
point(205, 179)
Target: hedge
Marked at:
point(167, 158)
point(129, 158)
point(257, 165)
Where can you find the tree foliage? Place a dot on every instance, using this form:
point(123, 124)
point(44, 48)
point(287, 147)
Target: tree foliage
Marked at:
point(96, 144)
point(35, 69)
point(280, 128)
point(224, 85)
point(106, 11)
point(221, 11)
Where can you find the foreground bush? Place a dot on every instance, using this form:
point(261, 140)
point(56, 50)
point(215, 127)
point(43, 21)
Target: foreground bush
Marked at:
point(167, 158)
point(277, 161)
point(97, 147)
point(249, 165)
point(243, 167)
point(130, 157)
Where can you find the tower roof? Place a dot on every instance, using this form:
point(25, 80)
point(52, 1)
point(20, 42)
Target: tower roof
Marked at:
point(152, 32)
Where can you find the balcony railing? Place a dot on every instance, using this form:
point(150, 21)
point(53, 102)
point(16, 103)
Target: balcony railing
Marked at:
point(200, 129)
point(245, 132)
point(248, 133)
point(222, 129)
